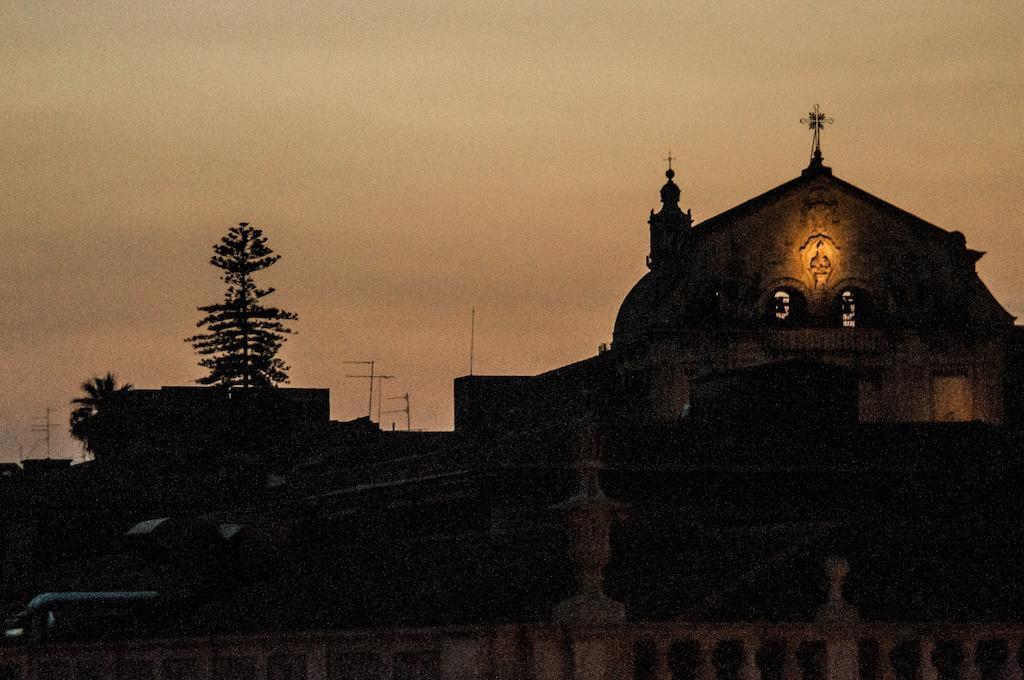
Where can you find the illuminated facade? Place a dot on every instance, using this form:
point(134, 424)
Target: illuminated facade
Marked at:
point(818, 270)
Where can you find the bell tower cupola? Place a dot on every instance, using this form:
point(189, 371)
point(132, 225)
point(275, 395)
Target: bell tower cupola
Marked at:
point(670, 226)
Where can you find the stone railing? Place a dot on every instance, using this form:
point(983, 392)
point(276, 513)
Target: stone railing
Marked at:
point(826, 339)
point(630, 651)
point(310, 656)
point(827, 652)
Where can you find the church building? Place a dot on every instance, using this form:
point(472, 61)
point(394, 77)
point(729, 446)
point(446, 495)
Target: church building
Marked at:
point(815, 272)
point(799, 459)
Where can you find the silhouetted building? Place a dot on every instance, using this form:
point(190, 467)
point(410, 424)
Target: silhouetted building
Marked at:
point(814, 269)
point(812, 373)
point(181, 426)
point(43, 466)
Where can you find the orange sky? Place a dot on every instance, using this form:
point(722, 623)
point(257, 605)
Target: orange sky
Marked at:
point(409, 160)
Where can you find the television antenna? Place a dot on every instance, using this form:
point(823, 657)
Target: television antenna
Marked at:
point(44, 426)
point(408, 421)
point(380, 391)
point(472, 336)
point(369, 409)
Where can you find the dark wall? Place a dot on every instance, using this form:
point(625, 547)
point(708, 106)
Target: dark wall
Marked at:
point(788, 394)
point(500, 403)
point(1013, 379)
point(176, 423)
point(494, 401)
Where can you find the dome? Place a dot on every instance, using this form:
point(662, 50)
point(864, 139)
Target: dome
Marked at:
point(638, 308)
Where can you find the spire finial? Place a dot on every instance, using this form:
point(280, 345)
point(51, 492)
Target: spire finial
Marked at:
point(816, 122)
point(670, 173)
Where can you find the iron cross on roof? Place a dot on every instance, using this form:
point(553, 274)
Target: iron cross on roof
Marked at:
point(670, 173)
point(816, 121)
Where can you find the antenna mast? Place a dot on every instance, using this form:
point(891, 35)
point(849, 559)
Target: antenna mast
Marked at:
point(408, 421)
point(44, 426)
point(472, 337)
point(369, 409)
point(380, 391)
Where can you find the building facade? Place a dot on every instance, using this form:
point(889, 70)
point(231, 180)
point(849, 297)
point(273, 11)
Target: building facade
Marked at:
point(814, 270)
point(814, 373)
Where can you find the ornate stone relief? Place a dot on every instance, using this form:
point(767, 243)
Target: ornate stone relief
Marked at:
point(819, 210)
point(820, 253)
point(820, 257)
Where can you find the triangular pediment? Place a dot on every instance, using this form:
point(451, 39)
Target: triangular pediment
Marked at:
point(818, 236)
point(804, 191)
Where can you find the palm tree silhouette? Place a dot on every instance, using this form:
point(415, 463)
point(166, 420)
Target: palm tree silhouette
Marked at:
point(98, 418)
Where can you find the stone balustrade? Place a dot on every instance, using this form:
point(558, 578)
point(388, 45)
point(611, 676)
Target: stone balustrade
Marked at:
point(826, 339)
point(860, 651)
point(628, 651)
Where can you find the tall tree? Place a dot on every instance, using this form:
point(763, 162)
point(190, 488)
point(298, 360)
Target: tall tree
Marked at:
point(242, 336)
point(98, 419)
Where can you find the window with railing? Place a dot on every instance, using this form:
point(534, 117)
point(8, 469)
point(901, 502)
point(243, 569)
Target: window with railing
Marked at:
point(854, 308)
point(786, 307)
point(849, 309)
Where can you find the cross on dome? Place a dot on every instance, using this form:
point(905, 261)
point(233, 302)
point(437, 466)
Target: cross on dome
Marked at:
point(670, 173)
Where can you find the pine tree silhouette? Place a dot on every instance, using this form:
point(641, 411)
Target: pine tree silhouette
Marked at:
point(242, 336)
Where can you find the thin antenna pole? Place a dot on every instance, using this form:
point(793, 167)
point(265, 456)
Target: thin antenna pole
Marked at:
point(369, 411)
point(369, 408)
point(44, 427)
point(380, 391)
point(408, 419)
point(472, 337)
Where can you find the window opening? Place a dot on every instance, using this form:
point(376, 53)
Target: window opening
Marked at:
point(782, 305)
point(849, 307)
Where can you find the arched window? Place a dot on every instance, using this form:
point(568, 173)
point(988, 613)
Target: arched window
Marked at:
point(786, 307)
point(848, 304)
point(782, 305)
point(853, 308)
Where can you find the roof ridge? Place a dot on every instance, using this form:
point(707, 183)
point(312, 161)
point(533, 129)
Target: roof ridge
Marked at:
point(773, 193)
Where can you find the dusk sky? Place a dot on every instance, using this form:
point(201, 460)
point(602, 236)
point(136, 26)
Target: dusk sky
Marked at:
point(412, 160)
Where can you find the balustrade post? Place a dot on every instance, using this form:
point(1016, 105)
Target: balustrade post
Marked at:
point(791, 661)
point(1011, 669)
point(590, 658)
point(706, 660)
point(548, 659)
point(506, 656)
point(838, 620)
point(260, 657)
point(749, 669)
point(386, 670)
point(926, 666)
point(619, 656)
point(463, 658)
point(842, 657)
point(661, 667)
point(970, 669)
point(885, 650)
point(590, 515)
point(204, 661)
